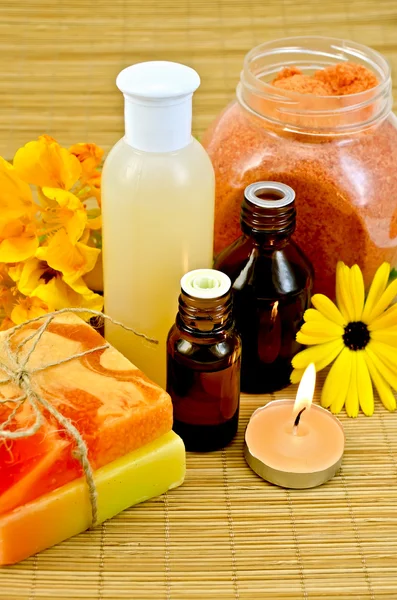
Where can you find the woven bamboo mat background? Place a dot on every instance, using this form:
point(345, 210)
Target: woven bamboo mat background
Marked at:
point(225, 534)
point(59, 59)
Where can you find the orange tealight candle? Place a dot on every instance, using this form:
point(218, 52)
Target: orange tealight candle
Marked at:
point(295, 444)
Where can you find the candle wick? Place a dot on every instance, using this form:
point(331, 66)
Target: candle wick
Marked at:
point(297, 420)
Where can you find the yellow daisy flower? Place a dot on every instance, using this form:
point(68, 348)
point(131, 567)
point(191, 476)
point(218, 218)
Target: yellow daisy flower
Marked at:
point(360, 334)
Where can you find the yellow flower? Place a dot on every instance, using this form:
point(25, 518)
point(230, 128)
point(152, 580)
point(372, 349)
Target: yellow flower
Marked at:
point(360, 335)
point(89, 156)
point(7, 298)
point(28, 308)
point(72, 260)
point(15, 196)
point(63, 209)
point(38, 279)
point(46, 164)
point(18, 241)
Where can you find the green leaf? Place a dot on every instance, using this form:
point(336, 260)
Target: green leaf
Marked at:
point(393, 275)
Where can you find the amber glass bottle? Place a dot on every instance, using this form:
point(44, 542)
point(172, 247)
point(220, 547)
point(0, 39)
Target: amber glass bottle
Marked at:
point(203, 362)
point(272, 281)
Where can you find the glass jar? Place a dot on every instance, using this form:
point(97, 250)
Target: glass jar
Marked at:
point(339, 154)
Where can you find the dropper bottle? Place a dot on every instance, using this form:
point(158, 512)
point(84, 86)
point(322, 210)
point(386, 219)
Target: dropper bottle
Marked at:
point(158, 209)
point(204, 359)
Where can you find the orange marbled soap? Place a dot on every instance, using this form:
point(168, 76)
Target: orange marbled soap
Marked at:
point(115, 407)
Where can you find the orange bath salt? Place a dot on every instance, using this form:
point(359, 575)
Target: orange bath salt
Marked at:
point(294, 80)
point(114, 406)
point(335, 80)
point(346, 78)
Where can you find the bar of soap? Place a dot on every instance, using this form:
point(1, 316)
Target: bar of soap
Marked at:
point(114, 406)
point(54, 517)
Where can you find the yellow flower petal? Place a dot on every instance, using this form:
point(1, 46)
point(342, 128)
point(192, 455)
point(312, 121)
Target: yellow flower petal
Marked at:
point(376, 290)
point(63, 197)
point(387, 354)
point(19, 242)
point(385, 394)
point(29, 308)
point(95, 223)
point(30, 276)
point(57, 293)
point(383, 369)
point(89, 299)
point(4, 164)
point(15, 196)
point(15, 272)
point(386, 320)
point(352, 403)
point(343, 299)
point(89, 155)
point(296, 375)
point(387, 336)
point(312, 340)
point(384, 301)
point(46, 164)
point(357, 292)
point(71, 213)
point(364, 385)
point(311, 314)
point(324, 328)
point(328, 309)
point(322, 355)
point(337, 382)
point(72, 260)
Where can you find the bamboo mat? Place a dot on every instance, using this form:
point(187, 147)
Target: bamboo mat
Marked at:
point(228, 535)
point(225, 534)
point(59, 58)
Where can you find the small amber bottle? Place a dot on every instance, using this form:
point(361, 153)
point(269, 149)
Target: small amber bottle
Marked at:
point(203, 362)
point(272, 282)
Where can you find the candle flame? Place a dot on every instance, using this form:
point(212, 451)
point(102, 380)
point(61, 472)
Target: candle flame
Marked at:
point(274, 312)
point(305, 391)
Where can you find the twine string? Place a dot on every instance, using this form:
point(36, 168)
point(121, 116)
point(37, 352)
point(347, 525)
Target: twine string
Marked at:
point(17, 372)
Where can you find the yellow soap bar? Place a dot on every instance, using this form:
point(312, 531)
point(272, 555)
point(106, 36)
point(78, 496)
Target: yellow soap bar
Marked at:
point(142, 474)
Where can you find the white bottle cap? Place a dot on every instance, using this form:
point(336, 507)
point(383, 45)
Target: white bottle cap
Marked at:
point(158, 105)
point(205, 283)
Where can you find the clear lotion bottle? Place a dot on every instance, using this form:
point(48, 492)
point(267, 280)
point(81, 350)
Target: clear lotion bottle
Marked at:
point(158, 210)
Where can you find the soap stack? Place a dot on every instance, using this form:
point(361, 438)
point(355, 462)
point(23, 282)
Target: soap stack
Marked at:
point(124, 419)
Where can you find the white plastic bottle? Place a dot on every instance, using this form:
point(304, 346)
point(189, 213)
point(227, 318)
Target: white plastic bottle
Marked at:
point(158, 194)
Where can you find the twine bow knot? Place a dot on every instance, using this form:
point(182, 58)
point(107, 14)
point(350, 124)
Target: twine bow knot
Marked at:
point(21, 377)
point(17, 372)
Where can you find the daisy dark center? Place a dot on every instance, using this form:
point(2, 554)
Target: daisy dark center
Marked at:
point(356, 335)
